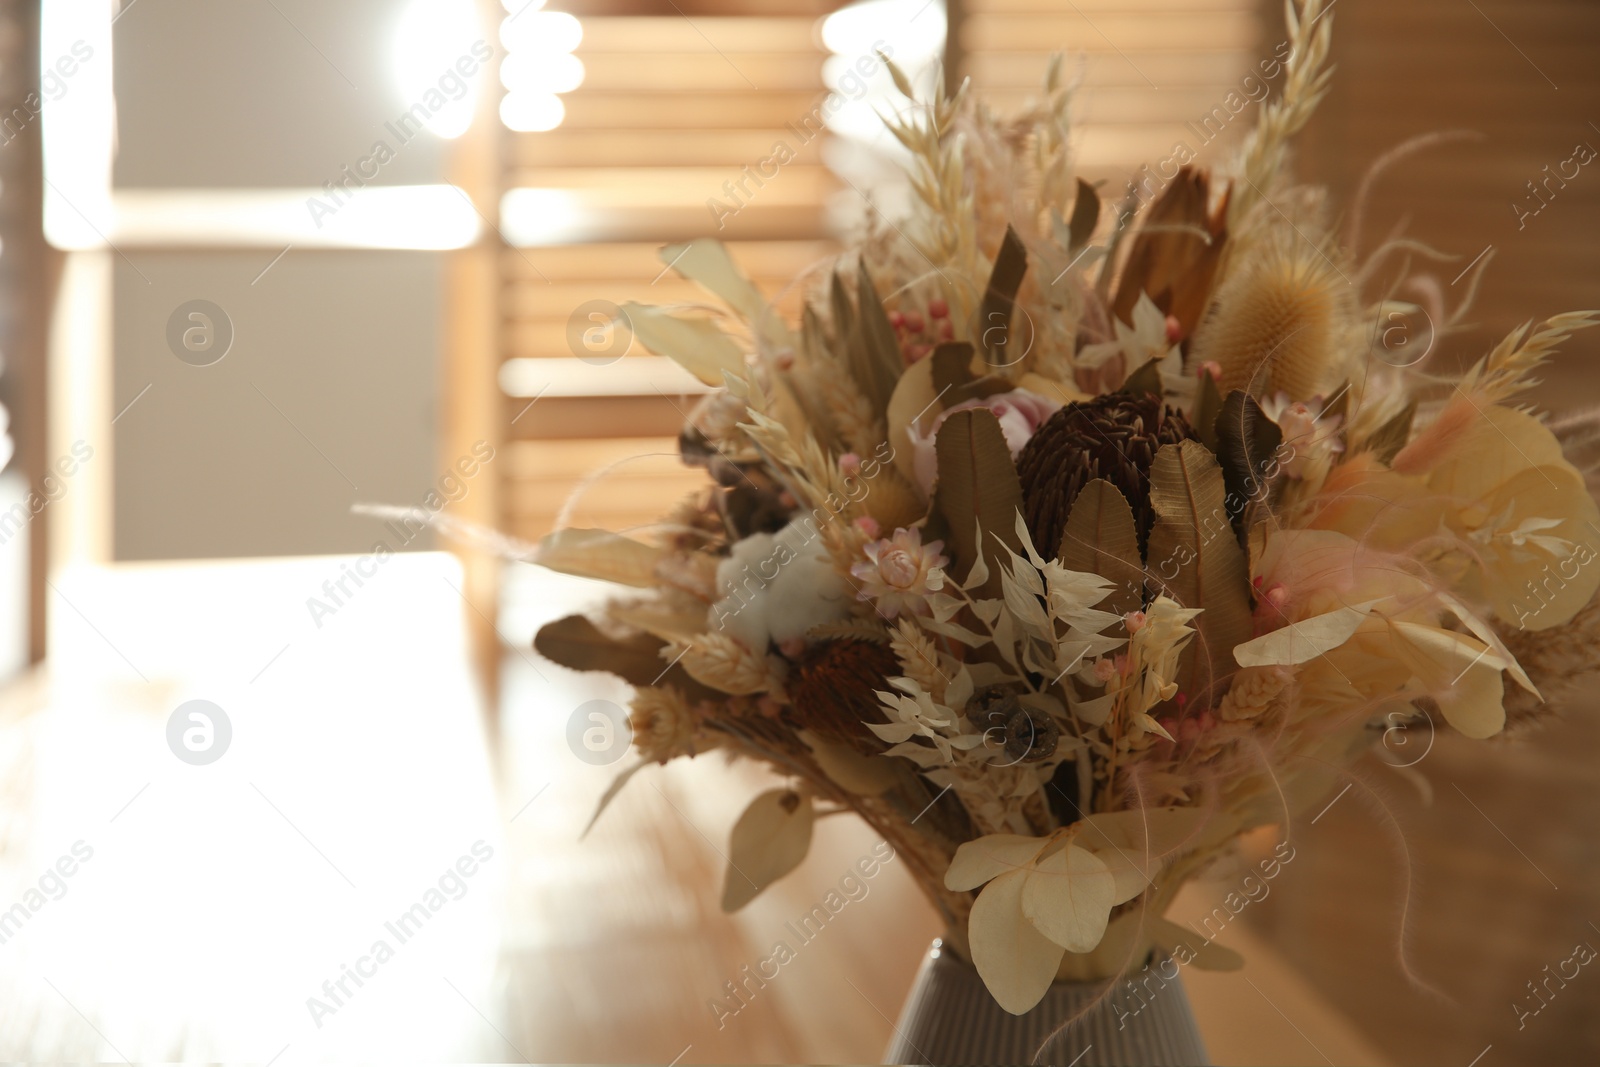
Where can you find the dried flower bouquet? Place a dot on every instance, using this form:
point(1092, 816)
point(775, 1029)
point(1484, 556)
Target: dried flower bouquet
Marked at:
point(1065, 545)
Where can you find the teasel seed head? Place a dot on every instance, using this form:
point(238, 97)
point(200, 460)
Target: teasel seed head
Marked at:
point(1276, 324)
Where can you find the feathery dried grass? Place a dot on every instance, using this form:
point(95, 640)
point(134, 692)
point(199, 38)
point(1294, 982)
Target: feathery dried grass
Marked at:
point(1261, 158)
point(1560, 662)
point(1506, 371)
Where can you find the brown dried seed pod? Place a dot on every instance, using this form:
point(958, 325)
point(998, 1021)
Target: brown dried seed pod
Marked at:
point(1027, 735)
point(1031, 736)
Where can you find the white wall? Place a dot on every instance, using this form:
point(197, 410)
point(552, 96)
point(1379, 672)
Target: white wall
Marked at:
point(345, 344)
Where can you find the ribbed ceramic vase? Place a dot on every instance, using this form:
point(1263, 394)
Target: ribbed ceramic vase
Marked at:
point(949, 1017)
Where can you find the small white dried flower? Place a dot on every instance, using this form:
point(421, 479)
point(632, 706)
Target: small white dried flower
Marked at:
point(663, 725)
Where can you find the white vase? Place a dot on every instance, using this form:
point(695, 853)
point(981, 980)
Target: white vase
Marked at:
point(949, 1017)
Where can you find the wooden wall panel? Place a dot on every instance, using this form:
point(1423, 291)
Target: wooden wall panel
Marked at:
point(1524, 77)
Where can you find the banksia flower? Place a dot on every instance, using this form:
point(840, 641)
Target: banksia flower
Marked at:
point(1275, 326)
point(1114, 437)
point(833, 689)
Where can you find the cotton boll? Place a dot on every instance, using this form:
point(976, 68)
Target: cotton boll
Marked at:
point(775, 587)
point(807, 593)
point(742, 610)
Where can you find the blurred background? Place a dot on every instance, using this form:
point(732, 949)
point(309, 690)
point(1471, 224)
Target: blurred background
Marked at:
point(264, 261)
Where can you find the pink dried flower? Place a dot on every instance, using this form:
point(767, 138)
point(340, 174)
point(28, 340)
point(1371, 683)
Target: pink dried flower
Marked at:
point(1020, 412)
point(901, 571)
point(1307, 433)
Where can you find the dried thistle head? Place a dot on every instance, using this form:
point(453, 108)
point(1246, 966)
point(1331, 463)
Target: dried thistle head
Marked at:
point(1278, 323)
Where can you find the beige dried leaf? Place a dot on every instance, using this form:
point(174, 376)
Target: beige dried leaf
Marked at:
point(600, 554)
point(769, 840)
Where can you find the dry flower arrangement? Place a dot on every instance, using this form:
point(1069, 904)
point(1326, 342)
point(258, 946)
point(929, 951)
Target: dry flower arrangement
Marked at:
point(1064, 546)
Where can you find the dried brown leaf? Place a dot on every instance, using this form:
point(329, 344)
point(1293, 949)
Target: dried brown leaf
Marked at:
point(1196, 560)
point(977, 481)
point(1101, 539)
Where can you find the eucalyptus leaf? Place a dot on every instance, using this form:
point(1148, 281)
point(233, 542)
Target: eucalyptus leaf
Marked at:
point(769, 840)
point(706, 262)
point(696, 344)
point(1300, 642)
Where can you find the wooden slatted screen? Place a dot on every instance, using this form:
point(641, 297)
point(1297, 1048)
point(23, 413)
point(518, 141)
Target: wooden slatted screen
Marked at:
point(1151, 71)
point(677, 100)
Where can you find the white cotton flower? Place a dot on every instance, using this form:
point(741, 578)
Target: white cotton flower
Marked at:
point(775, 587)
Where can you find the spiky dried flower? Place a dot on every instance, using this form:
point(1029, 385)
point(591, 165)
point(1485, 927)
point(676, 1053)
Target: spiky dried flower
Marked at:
point(1275, 326)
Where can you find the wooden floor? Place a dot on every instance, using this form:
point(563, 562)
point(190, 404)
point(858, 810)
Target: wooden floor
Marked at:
point(219, 899)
